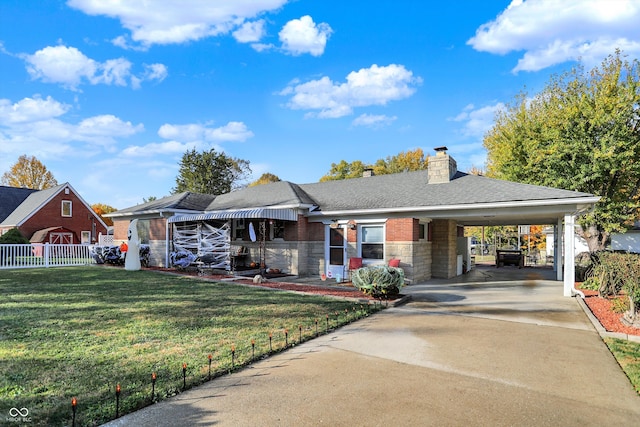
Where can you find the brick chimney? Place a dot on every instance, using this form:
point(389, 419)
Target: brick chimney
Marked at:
point(442, 167)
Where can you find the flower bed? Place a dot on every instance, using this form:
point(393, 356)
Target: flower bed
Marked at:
point(602, 310)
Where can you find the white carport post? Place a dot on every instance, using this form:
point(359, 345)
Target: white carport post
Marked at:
point(557, 251)
point(569, 254)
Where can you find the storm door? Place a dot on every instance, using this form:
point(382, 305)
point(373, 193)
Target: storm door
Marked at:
point(335, 251)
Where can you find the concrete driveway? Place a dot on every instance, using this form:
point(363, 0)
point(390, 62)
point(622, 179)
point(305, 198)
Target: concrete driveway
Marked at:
point(488, 349)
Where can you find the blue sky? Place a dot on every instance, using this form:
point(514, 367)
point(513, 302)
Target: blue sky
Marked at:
point(109, 94)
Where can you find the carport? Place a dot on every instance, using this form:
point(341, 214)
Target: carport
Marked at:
point(561, 215)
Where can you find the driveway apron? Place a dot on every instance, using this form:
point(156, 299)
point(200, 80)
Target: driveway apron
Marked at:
point(472, 351)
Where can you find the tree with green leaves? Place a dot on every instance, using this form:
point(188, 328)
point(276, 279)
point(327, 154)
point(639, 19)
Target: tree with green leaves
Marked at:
point(402, 162)
point(582, 133)
point(13, 236)
point(265, 178)
point(210, 172)
point(29, 172)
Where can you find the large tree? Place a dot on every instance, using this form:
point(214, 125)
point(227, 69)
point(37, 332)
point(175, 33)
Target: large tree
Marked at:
point(210, 172)
point(411, 160)
point(29, 172)
point(581, 132)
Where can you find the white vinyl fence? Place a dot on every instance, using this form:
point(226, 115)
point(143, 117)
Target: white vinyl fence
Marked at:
point(38, 255)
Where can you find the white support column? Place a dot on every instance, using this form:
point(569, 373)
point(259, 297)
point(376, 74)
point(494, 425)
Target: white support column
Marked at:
point(558, 250)
point(569, 254)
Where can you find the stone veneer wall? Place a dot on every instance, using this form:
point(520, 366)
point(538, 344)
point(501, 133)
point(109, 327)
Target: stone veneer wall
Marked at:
point(415, 258)
point(315, 259)
point(157, 249)
point(442, 168)
point(444, 236)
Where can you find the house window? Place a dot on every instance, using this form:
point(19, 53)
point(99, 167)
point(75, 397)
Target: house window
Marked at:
point(421, 234)
point(66, 208)
point(277, 229)
point(238, 228)
point(85, 237)
point(372, 242)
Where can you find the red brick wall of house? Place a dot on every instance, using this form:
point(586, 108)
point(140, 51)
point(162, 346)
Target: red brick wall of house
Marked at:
point(402, 230)
point(314, 232)
point(50, 215)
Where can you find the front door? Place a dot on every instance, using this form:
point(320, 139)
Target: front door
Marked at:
point(335, 251)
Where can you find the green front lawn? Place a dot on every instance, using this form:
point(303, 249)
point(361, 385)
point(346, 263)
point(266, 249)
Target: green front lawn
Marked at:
point(627, 353)
point(79, 331)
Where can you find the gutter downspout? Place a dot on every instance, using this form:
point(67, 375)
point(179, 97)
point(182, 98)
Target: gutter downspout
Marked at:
point(166, 240)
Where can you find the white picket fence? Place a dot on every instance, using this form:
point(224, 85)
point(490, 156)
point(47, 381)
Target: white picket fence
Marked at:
point(38, 255)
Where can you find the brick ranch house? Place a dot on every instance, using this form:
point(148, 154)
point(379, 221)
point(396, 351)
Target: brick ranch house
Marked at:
point(55, 215)
point(312, 229)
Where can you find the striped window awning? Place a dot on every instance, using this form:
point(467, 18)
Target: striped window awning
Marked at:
point(256, 213)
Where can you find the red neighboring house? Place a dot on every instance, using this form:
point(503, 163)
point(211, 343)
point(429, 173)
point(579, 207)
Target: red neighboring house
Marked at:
point(54, 215)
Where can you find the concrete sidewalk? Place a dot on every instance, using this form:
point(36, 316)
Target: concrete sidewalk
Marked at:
point(483, 352)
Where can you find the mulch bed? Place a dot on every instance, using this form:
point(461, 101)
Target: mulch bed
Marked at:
point(602, 310)
point(310, 289)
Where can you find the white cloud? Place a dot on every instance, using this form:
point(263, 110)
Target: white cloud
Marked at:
point(190, 136)
point(368, 86)
point(260, 47)
point(105, 129)
point(300, 36)
point(232, 131)
point(36, 126)
point(552, 32)
point(71, 68)
point(153, 149)
point(250, 32)
point(30, 110)
point(170, 21)
point(373, 120)
point(476, 122)
point(61, 64)
point(155, 72)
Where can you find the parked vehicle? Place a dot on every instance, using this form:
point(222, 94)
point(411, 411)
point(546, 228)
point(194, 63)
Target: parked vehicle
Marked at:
point(476, 245)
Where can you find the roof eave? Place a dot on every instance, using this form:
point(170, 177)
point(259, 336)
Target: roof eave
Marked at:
point(118, 214)
point(581, 204)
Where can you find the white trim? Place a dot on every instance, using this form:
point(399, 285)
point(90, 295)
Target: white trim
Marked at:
point(581, 204)
point(255, 213)
point(333, 270)
point(569, 255)
point(62, 208)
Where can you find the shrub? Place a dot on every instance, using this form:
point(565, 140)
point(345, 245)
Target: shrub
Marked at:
point(379, 282)
point(619, 305)
point(13, 236)
point(617, 272)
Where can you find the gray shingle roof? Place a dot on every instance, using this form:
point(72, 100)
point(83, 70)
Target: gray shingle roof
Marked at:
point(281, 193)
point(30, 204)
point(411, 189)
point(186, 201)
point(11, 198)
point(403, 190)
